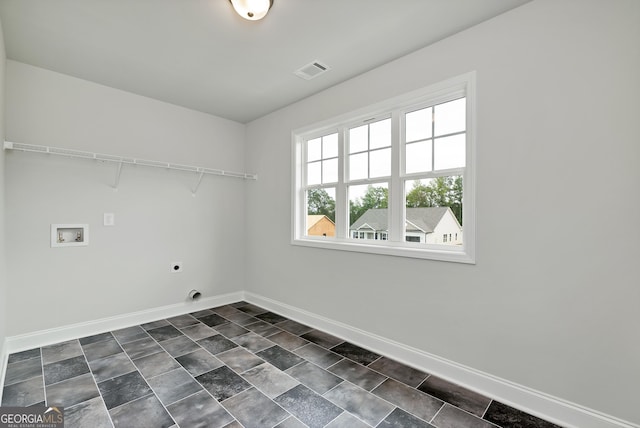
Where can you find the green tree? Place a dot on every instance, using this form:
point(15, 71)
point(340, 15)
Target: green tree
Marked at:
point(375, 197)
point(440, 192)
point(320, 202)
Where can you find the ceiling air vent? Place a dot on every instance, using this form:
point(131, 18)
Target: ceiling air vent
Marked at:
point(311, 70)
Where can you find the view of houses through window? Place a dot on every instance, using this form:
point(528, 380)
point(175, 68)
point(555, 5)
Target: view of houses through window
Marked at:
point(394, 178)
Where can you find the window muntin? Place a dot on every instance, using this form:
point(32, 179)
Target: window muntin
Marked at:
point(424, 143)
point(322, 160)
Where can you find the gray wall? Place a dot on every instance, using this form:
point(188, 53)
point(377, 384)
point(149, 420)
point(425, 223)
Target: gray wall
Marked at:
point(125, 268)
point(552, 302)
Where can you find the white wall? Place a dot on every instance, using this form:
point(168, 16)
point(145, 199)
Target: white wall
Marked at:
point(558, 107)
point(3, 276)
point(125, 268)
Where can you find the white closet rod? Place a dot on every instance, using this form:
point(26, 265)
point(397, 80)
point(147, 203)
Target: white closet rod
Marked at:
point(123, 160)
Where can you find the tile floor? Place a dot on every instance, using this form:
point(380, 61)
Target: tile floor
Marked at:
point(240, 366)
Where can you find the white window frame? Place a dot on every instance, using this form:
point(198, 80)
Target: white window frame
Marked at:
point(460, 86)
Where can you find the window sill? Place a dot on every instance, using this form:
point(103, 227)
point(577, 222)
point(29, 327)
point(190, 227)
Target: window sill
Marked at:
point(434, 252)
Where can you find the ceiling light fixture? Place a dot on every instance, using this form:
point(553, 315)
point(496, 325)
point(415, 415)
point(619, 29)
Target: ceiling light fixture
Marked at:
point(252, 9)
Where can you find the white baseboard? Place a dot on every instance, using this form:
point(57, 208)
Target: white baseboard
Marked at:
point(4, 356)
point(553, 409)
point(41, 338)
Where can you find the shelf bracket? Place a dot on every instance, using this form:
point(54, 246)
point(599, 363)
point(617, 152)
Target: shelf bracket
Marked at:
point(195, 189)
point(118, 172)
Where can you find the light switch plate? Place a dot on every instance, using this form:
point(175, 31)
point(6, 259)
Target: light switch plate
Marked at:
point(109, 219)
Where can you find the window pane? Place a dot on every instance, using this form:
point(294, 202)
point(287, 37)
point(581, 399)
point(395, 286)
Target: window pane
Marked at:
point(449, 152)
point(358, 166)
point(314, 175)
point(330, 146)
point(314, 149)
point(321, 212)
point(418, 157)
point(380, 134)
point(380, 163)
point(450, 117)
point(434, 210)
point(418, 124)
point(330, 171)
point(368, 213)
point(359, 139)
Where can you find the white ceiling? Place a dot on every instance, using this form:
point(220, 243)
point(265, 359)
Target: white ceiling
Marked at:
point(201, 55)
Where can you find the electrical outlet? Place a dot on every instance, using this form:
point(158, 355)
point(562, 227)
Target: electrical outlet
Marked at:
point(176, 267)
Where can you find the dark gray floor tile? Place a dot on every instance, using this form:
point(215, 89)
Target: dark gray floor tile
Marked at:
point(347, 420)
point(253, 342)
point(199, 362)
point(321, 338)
point(263, 328)
point(398, 371)
point(130, 334)
point(174, 385)
point(269, 380)
point(213, 320)
point(216, 344)
point(281, 358)
point(360, 403)
point(271, 318)
point(452, 417)
point(357, 374)
point(143, 412)
point(312, 409)
point(164, 333)
point(355, 353)
point(111, 366)
point(202, 313)
point(88, 340)
point(199, 411)
point(231, 330)
point(141, 348)
point(91, 413)
point(24, 355)
point(183, 321)
point(508, 417)
point(241, 318)
point(254, 410)
point(252, 310)
point(410, 399)
point(155, 364)
point(23, 370)
point(294, 327)
point(65, 369)
point(72, 391)
point(239, 359)
point(24, 394)
point(318, 355)
point(179, 346)
point(222, 383)
point(287, 340)
point(103, 348)
point(401, 419)
point(198, 331)
point(291, 422)
point(123, 389)
point(454, 394)
point(61, 351)
point(154, 324)
point(234, 424)
point(226, 310)
point(312, 376)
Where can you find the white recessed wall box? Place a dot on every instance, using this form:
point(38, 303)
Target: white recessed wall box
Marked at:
point(69, 235)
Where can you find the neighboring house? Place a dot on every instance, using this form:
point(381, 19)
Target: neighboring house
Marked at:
point(320, 225)
point(435, 225)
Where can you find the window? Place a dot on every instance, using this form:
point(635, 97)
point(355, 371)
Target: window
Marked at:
point(396, 178)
